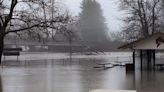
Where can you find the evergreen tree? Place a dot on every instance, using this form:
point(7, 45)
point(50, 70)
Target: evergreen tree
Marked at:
point(92, 23)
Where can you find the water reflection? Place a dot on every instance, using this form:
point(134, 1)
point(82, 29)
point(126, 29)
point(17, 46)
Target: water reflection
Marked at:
point(55, 76)
point(1, 86)
point(131, 80)
point(151, 81)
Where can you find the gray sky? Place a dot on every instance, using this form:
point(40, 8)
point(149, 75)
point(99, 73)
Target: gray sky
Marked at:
point(110, 11)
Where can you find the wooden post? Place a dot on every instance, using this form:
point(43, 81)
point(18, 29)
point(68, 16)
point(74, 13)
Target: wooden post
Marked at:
point(149, 59)
point(154, 59)
point(134, 60)
point(141, 57)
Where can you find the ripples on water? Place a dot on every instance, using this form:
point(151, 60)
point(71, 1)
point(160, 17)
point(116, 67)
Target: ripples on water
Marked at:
point(63, 76)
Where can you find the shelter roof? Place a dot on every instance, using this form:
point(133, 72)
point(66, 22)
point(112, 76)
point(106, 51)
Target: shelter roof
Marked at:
point(151, 42)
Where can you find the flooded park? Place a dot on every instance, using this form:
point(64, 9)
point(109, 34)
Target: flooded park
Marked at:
point(81, 46)
point(58, 74)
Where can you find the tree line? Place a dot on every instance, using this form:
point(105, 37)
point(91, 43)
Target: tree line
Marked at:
point(43, 19)
point(143, 18)
point(36, 19)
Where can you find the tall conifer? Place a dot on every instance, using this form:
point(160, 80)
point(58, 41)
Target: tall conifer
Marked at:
point(92, 22)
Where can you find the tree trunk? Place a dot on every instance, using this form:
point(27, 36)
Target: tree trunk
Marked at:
point(1, 48)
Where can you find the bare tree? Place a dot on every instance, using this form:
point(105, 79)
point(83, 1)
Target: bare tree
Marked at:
point(117, 36)
point(34, 18)
point(72, 34)
point(143, 17)
point(162, 23)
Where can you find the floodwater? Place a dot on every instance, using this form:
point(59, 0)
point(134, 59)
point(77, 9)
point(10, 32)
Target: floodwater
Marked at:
point(60, 75)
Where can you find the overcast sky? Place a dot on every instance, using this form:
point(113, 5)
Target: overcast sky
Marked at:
point(110, 12)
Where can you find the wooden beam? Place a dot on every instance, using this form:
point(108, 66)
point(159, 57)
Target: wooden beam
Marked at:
point(154, 59)
point(149, 59)
point(141, 57)
point(134, 60)
point(148, 56)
